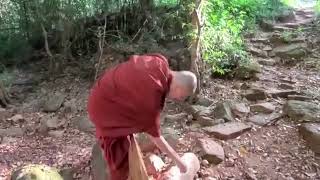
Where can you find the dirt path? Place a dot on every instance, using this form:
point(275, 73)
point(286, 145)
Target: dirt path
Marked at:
point(63, 137)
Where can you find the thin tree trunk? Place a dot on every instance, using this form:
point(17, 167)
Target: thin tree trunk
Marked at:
point(195, 44)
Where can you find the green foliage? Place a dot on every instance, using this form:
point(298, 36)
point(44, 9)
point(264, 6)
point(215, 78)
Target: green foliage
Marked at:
point(222, 42)
point(317, 7)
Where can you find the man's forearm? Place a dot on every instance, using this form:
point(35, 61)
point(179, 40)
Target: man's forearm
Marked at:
point(166, 148)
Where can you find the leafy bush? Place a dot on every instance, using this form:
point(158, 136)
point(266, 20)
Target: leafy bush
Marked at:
point(222, 42)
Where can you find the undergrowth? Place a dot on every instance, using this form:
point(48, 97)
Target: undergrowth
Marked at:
point(225, 22)
point(73, 26)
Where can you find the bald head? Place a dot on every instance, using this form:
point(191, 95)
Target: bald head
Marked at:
point(184, 83)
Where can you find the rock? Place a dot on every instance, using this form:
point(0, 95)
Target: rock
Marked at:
point(16, 118)
point(100, 170)
point(311, 133)
point(267, 62)
point(36, 172)
point(211, 151)
point(266, 25)
point(223, 111)
point(255, 94)
point(258, 52)
point(67, 173)
point(302, 111)
point(52, 123)
point(286, 16)
point(7, 140)
point(247, 70)
point(146, 145)
point(12, 131)
point(70, 106)
point(196, 109)
point(84, 124)
point(299, 98)
point(285, 86)
point(56, 133)
point(204, 101)
point(281, 93)
point(291, 51)
point(263, 107)
point(171, 135)
point(240, 109)
point(153, 163)
point(267, 48)
point(228, 130)
point(181, 117)
point(260, 40)
point(207, 121)
point(53, 103)
point(264, 119)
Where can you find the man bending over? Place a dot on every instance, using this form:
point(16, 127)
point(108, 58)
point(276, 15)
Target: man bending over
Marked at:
point(128, 99)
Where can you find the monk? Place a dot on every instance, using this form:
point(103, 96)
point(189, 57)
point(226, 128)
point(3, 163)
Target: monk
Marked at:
point(128, 99)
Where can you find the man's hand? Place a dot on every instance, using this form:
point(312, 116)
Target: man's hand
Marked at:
point(163, 145)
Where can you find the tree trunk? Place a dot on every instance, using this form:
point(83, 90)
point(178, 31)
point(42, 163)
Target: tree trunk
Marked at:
point(195, 44)
point(4, 97)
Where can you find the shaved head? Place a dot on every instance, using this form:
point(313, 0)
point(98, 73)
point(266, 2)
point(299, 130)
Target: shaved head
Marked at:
point(184, 83)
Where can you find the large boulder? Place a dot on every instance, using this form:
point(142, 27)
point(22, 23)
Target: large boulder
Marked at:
point(248, 70)
point(210, 150)
point(54, 102)
point(36, 172)
point(255, 94)
point(311, 133)
point(302, 111)
point(291, 51)
point(223, 111)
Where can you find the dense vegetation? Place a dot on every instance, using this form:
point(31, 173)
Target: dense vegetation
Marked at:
point(75, 28)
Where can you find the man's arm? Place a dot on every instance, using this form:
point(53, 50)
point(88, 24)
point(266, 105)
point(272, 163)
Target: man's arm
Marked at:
point(166, 148)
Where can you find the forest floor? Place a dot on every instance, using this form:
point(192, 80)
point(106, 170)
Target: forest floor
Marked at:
point(47, 122)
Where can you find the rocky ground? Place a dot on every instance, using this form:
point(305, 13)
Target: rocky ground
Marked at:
point(260, 125)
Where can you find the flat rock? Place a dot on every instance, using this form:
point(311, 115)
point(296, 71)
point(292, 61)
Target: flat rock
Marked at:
point(255, 94)
point(12, 131)
point(263, 107)
point(204, 101)
point(311, 133)
point(285, 86)
point(267, 62)
point(240, 109)
point(281, 93)
point(258, 52)
point(302, 111)
point(211, 151)
point(223, 111)
point(264, 119)
point(291, 51)
point(56, 133)
point(208, 121)
point(228, 130)
point(16, 118)
point(54, 102)
point(299, 98)
point(176, 117)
